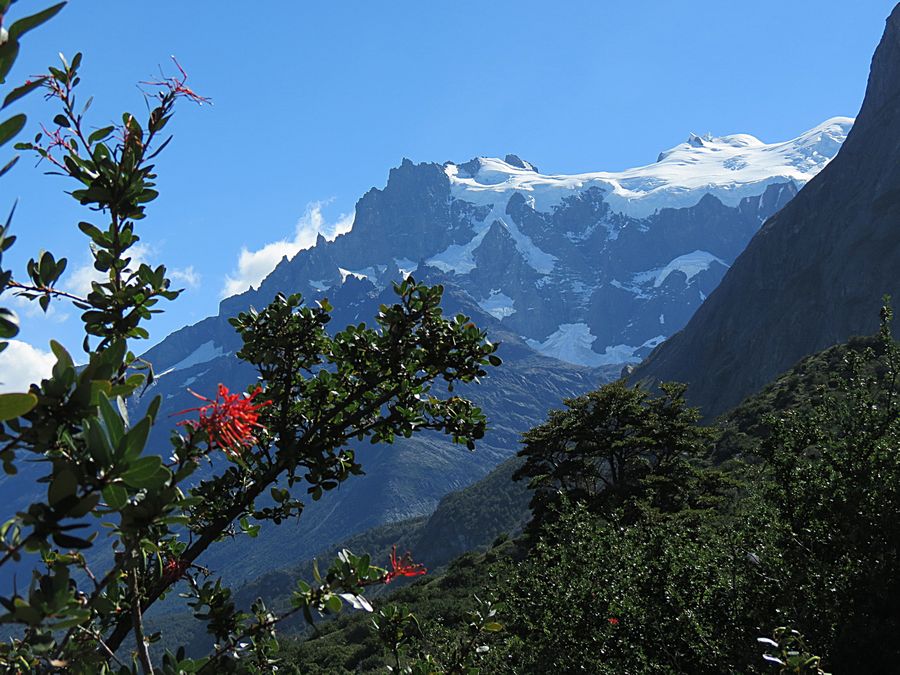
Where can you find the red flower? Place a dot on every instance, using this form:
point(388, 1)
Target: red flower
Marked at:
point(228, 420)
point(613, 621)
point(174, 569)
point(403, 567)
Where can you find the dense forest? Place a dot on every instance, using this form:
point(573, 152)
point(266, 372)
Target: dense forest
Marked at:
point(767, 539)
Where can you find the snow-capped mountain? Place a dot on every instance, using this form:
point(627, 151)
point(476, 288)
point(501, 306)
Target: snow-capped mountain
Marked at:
point(730, 168)
point(594, 268)
point(576, 275)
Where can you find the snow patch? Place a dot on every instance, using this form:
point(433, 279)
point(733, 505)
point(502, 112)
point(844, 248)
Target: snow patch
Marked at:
point(652, 343)
point(350, 273)
point(631, 288)
point(498, 305)
point(459, 258)
point(193, 378)
point(205, 352)
point(691, 264)
point(406, 266)
point(571, 342)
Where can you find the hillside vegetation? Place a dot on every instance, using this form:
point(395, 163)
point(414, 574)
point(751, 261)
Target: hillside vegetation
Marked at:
point(768, 541)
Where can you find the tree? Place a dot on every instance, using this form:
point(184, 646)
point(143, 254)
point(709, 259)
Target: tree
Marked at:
point(606, 443)
point(317, 394)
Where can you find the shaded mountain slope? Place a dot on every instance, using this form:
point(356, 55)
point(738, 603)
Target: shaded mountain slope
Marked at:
point(814, 274)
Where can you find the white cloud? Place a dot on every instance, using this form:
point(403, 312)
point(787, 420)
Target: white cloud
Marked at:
point(21, 364)
point(79, 281)
point(254, 266)
point(32, 310)
point(187, 276)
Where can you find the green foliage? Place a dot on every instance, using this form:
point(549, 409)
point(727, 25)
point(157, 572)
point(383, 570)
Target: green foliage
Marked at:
point(788, 650)
point(13, 405)
point(833, 478)
point(642, 555)
point(324, 392)
point(687, 569)
point(436, 625)
point(606, 444)
point(651, 596)
point(117, 180)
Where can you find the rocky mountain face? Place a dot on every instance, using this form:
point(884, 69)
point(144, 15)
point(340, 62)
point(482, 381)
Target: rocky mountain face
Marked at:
point(814, 275)
point(592, 269)
point(576, 275)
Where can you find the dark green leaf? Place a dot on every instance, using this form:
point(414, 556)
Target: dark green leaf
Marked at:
point(333, 604)
point(9, 323)
point(136, 438)
point(63, 485)
point(146, 472)
point(11, 127)
point(9, 50)
point(22, 26)
point(114, 425)
point(67, 541)
point(10, 164)
point(115, 496)
point(19, 92)
point(100, 134)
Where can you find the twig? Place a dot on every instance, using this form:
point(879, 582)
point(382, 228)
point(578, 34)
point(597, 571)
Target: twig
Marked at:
point(137, 617)
point(45, 291)
point(100, 641)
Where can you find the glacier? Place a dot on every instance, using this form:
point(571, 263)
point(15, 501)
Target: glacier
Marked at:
point(729, 167)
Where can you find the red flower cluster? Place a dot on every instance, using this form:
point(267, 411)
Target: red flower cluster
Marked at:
point(613, 621)
point(228, 420)
point(174, 569)
point(403, 567)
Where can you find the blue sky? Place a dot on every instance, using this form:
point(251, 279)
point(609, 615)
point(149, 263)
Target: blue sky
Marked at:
point(315, 102)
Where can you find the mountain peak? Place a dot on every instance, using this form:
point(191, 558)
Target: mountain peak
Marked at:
point(519, 163)
point(730, 168)
point(884, 77)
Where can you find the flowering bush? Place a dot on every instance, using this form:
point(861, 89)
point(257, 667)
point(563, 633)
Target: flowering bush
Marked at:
point(317, 393)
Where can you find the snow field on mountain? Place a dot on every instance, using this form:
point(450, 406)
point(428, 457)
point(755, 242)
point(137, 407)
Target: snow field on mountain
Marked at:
point(572, 342)
point(691, 264)
point(459, 258)
point(498, 305)
point(730, 168)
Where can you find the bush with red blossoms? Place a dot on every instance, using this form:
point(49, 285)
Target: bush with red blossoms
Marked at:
point(290, 434)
